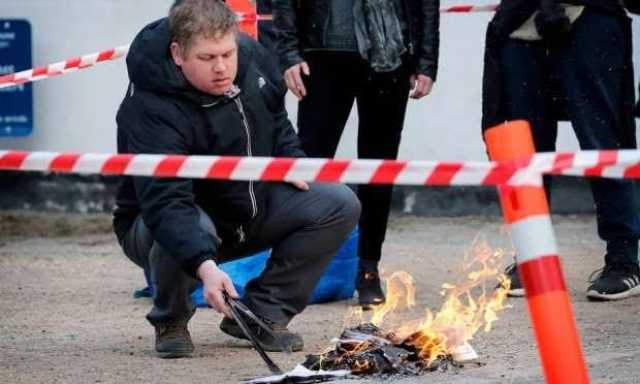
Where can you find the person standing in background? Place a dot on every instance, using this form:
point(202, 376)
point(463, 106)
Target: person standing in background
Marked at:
point(552, 60)
point(374, 52)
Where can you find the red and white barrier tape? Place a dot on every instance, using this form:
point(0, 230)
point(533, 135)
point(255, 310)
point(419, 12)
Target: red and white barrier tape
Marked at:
point(92, 59)
point(469, 8)
point(63, 67)
point(611, 164)
point(85, 61)
point(253, 17)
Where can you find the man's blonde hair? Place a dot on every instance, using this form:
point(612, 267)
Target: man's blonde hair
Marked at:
point(207, 18)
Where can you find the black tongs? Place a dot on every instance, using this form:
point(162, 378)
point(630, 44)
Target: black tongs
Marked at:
point(239, 311)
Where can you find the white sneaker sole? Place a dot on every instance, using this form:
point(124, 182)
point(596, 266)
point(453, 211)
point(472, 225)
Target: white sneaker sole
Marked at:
point(613, 296)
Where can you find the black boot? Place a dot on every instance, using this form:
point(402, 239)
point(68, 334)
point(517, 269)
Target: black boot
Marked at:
point(292, 341)
point(368, 285)
point(173, 340)
point(516, 288)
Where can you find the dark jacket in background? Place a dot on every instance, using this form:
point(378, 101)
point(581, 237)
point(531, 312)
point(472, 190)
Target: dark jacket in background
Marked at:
point(163, 114)
point(511, 15)
point(266, 31)
point(302, 25)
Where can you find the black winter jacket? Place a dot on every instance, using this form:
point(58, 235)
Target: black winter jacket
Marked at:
point(163, 114)
point(302, 24)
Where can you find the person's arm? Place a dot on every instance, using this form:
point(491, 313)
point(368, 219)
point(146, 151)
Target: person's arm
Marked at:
point(215, 282)
point(168, 204)
point(285, 18)
point(427, 49)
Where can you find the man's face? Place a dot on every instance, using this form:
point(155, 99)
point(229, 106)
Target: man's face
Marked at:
point(210, 64)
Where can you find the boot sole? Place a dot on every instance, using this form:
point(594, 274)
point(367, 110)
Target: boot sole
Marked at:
point(174, 355)
point(597, 296)
point(294, 348)
point(267, 348)
point(369, 306)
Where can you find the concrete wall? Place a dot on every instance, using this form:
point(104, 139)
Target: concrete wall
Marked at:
point(76, 112)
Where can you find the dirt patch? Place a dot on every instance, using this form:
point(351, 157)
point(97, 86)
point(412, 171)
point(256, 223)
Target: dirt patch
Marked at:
point(51, 225)
point(67, 314)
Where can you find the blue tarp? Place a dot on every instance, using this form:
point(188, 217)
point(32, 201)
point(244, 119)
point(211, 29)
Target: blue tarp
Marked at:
point(337, 282)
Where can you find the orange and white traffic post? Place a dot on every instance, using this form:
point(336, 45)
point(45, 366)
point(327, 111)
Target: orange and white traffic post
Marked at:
point(526, 212)
point(248, 18)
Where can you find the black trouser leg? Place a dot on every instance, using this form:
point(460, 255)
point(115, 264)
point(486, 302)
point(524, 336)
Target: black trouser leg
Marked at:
point(524, 91)
point(331, 91)
point(382, 103)
point(172, 287)
point(592, 68)
point(305, 230)
point(525, 94)
point(336, 80)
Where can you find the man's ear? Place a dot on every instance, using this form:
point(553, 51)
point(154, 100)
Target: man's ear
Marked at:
point(176, 53)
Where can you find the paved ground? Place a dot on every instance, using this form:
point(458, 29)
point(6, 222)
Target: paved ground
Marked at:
point(67, 315)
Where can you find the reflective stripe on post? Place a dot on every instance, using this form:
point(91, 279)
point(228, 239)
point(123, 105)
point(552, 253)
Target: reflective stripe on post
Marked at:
point(526, 211)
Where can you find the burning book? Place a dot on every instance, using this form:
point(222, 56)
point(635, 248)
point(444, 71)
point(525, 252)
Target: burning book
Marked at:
point(388, 344)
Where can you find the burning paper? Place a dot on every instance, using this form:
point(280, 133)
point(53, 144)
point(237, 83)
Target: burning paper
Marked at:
point(367, 349)
point(390, 344)
point(470, 305)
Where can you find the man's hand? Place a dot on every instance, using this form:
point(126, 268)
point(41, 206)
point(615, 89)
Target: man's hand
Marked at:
point(215, 282)
point(293, 78)
point(301, 185)
point(421, 86)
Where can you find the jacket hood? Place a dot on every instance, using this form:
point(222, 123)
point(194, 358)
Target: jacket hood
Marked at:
point(151, 67)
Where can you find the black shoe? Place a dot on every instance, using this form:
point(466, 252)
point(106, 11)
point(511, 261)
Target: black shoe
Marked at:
point(369, 289)
point(615, 282)
point(292, 341)
point(516, 289)
point(173, 340)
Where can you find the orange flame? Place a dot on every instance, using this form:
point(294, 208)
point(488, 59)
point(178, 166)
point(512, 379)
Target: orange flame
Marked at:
point(401, 294)
point(468, 306)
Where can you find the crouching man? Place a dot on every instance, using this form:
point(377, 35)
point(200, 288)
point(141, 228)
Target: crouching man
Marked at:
point(199, 87)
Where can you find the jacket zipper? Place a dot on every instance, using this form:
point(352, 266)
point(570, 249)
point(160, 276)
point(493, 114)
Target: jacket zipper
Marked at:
point(254, 204)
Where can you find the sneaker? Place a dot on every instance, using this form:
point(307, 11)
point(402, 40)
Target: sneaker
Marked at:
point(615, 282)
point(369, 289)
point(516, 289)
point(173, 340)
point(292, 341)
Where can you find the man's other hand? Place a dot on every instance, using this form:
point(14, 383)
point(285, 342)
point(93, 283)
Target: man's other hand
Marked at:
point(301, 185)
point(293, 78)
point(215, 282)
point(421, 86)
